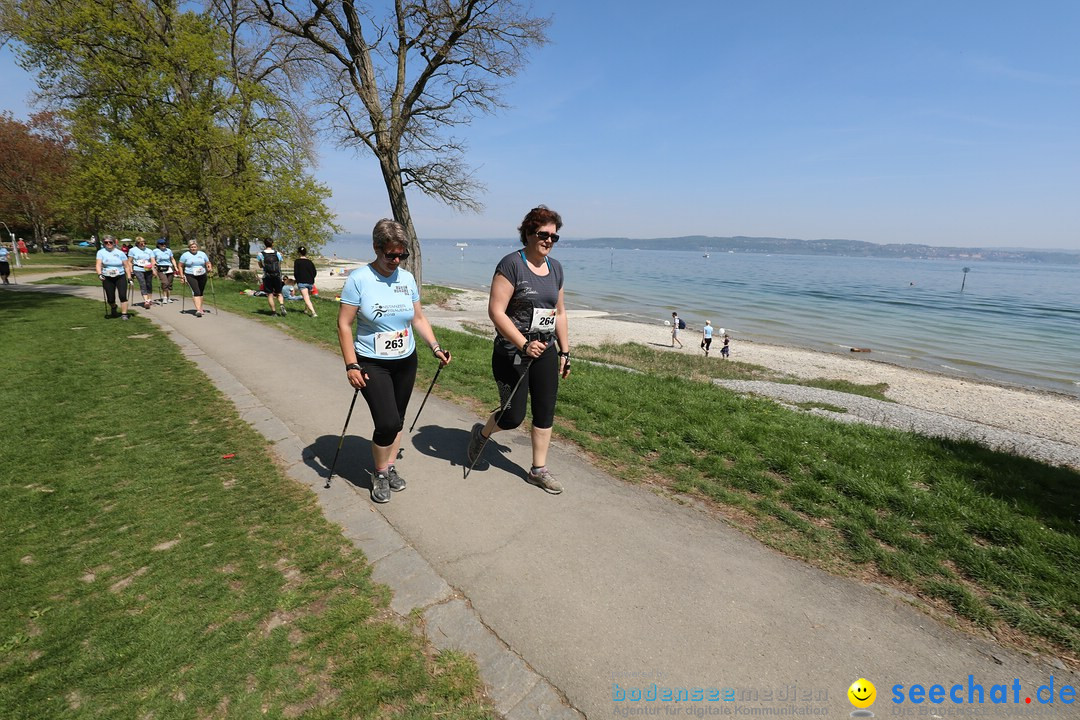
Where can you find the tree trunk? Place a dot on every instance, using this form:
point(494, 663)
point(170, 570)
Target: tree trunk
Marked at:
point(399, 206)
point(215, 249)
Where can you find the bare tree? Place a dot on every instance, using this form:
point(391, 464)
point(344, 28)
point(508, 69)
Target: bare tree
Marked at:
point(395, 84)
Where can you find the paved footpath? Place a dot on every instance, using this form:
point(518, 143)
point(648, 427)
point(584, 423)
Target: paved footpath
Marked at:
point(573, 604)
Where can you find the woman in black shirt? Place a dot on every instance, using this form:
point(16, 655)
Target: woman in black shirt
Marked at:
point(304, 271)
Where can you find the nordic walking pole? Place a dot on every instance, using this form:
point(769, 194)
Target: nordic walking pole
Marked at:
point(341, 441)
point(509, 399)
point(105, 299)
point(428, 393)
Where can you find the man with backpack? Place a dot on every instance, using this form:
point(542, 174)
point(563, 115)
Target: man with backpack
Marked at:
point(677, 324)
point(270, 262)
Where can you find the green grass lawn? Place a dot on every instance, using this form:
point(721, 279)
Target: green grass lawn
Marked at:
point(146, 575)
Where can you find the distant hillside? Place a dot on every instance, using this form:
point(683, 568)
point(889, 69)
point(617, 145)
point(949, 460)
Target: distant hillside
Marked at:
point(851, 248)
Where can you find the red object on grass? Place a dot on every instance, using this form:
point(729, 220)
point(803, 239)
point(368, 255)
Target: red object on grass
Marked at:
point(230, 456)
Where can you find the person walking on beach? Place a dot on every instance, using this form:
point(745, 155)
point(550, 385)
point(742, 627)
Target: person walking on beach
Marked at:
point(304, 271)
point(165, 269)
point(532, 345)
point(196, 266)
point(383, 301)
point(114, 269)
point(142, 265)
point(706, 337)
point(676, 326)
point(270, 262)
point(725, 350)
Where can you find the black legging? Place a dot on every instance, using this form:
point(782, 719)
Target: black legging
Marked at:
point(197, 283)
point(542, 385)
point(115, 286)
point(388, 389)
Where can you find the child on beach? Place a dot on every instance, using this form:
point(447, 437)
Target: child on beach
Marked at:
point(724, 351)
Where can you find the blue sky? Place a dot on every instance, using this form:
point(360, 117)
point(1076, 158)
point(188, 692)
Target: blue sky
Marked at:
point(945, 123)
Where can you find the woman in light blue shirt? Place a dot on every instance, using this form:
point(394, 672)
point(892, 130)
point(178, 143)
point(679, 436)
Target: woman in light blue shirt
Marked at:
point(142, 267)
point(381, 299)
point(5, 266)
point(114, 269)
point(197, 267)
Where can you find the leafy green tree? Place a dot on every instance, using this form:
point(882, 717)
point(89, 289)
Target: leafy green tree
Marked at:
point(168, 124)
point(35, 165)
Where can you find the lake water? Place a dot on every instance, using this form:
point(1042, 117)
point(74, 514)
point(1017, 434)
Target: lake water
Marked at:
point(1013, 323)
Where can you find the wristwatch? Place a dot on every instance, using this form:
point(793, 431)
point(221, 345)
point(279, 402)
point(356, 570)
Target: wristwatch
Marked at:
point(353, 366)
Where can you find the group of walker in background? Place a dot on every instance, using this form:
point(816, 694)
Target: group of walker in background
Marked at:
point(119, 267)
point(678, 324)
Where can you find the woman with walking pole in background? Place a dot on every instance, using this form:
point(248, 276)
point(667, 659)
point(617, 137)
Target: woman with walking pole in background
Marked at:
point(142, 265)
point(196, 266)
point(383, 302)
point(166, 269)
point(114, 269)
point(526, 306)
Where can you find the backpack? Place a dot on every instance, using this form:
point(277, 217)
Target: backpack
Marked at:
point(682, 324)
point(271, 263)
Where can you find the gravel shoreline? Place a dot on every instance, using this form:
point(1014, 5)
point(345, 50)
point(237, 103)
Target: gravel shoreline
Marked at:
point(1040, 425)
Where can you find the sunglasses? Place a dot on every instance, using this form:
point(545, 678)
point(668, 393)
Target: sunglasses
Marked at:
point(544, 235)
point(396, 256)
point(109, 242)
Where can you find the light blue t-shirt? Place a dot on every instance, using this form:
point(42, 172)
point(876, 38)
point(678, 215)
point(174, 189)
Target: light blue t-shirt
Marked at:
point(141, 258)
point(194, 264)
point(163, 257)
point(112, 261)
point(707, 330)
point(3, 254)
point(385, 312)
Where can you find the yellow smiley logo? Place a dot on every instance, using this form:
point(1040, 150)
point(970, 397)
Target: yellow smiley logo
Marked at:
point(862, 693)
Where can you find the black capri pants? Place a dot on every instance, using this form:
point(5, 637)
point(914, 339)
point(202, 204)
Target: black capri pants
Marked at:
point(197, 283)
point(541, 385)
point(115, 286)
point(387, 392)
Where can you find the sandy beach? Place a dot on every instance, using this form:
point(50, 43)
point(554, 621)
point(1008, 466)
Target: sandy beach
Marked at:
point(1031, 412)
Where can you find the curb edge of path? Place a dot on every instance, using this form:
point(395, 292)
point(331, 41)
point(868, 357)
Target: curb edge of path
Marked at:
point(449, 621)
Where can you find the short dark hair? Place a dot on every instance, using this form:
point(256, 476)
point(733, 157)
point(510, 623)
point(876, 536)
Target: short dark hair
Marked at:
point(301, 250)
point(537, 217)
point(388, 232)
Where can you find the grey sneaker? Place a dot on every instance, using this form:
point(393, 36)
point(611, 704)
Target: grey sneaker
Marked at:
point(380, 487)
point(476, 442)
point(541, 478)
point(397, 483)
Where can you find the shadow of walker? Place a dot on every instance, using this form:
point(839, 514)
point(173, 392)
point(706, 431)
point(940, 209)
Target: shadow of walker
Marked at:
point(451, 445)
point(354, 463)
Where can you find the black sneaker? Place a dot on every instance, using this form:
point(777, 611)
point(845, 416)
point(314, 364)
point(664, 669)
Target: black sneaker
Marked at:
point(380, 487)
point(476, 442)
point(397, 483)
